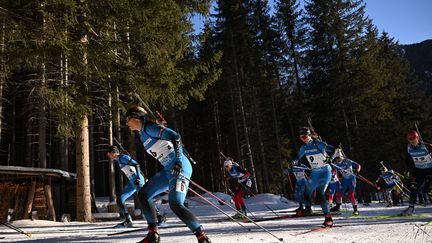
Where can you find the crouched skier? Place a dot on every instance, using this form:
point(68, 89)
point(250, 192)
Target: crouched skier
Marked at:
point(240, 180)
point(165, 146)
point(135, 181)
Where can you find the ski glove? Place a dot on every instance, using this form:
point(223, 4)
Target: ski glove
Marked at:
point(177, 168)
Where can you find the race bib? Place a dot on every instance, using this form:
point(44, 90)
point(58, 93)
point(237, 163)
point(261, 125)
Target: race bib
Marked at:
point(423, 162)
point(181, 185)
point(347, 172)
point(317, 161)
point(160, 150)
point(249, 183)
point(129, 171)
point(299, 175)
point(389, 180)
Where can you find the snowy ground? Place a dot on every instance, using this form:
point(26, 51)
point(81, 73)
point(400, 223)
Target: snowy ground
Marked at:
point(364, 228)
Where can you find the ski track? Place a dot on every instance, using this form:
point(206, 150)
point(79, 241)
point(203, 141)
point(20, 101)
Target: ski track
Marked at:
point(362, 229)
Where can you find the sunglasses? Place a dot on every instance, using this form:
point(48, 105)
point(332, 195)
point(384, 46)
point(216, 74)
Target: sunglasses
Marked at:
point(303, 136)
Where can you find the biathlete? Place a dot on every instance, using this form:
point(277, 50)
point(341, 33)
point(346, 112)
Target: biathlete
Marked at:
point(165, 146)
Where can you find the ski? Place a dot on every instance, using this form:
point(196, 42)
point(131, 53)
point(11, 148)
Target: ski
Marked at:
point(16, 229)
point(288, 216)
point(427, 223)
point(399, 215)
point(126, 231)
point(319, 229)
point(145, 229)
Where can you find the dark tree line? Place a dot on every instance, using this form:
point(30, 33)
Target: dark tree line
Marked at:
point(242, 88)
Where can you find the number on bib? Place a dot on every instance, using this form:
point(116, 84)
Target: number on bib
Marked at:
point(181, 185)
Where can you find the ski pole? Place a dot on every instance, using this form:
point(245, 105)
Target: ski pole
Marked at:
point(220, 200)
point(358, 176)
point(403, 188)
point(220, 210)
point(265, 205)
point(16, 228)
point(403, 193)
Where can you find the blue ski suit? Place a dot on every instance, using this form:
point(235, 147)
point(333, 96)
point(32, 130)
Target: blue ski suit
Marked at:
point(300, 186)
point(315, 155)
point(348, 185)
point(128, 167)
point(165, 146)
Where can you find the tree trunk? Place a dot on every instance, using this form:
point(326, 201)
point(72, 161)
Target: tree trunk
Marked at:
point(42, 153)
point(260, 143)
point(242, 113)
point(278, 143)
point(218, 142)
point(42, 124)
point(2, 70)
point(83, 197)
point(234, 117)
point(64, 148)
point(111, 171)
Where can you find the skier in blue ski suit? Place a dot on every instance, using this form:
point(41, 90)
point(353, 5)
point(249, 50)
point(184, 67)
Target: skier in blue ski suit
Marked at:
point(316, 155)
point(135, 181)
point(346, 168)
point(387, 182)
point(165, 146)
point(299, 172)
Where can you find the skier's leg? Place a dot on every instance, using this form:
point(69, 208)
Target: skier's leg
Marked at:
point(178, 190)
point(154, 186)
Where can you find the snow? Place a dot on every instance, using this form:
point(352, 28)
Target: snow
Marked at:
point(367, 227)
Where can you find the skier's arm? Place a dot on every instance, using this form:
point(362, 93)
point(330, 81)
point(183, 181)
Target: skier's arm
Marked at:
point(429, 147)
point(409, 163)
point(356, 166)
point(171, 135)
point(329, 149)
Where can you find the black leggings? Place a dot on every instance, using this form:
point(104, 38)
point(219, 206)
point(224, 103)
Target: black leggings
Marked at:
point(420, 176)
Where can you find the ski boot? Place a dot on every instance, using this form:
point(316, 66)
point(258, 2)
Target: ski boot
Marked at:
point(355, 212)
point(125, 224)
point(244, 210)
point(238, 216)
point(201, 236)
point(307, 211)
point(300, 208)
point(328, 221)
point(408, 211)
point(152, 236)
point(161, 220)
point(300, 212)
point(335, 208)
point(389, 205)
